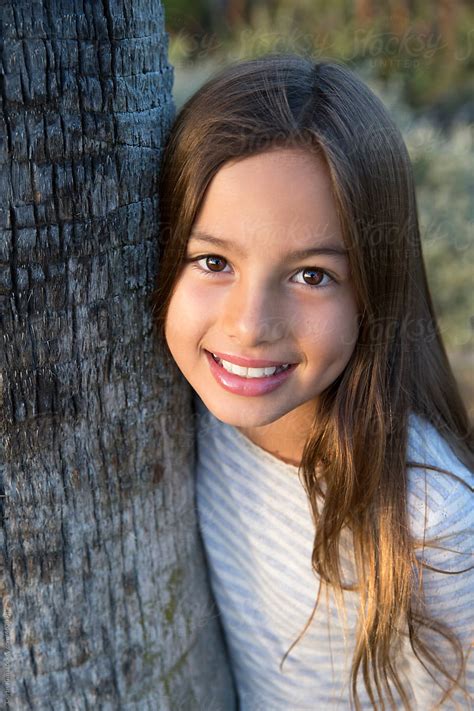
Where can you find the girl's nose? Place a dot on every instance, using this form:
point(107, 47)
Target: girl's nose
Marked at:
point(252, 316)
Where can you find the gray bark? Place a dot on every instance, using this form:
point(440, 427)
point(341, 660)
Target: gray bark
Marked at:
point(104, 597)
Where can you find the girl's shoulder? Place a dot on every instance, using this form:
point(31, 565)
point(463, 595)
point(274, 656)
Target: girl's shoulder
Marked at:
point(438, 502)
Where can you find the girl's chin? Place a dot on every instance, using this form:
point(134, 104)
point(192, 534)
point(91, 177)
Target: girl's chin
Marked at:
point(246, 415)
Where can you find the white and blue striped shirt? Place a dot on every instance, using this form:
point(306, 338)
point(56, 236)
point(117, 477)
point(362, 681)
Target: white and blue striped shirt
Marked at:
point(258, 533)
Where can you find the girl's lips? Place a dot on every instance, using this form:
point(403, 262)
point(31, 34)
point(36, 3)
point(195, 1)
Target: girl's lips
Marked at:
point(247, 386)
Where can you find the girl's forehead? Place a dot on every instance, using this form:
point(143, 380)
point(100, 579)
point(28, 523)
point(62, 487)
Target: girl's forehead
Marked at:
point(283, 191)
point(288, 173)
point(281, 156)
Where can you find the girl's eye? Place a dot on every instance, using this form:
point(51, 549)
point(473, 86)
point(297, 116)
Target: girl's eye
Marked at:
point(212, 259)
point(320, 274)
point(316, 274)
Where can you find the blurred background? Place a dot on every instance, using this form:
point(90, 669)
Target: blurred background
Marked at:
point(417, 56)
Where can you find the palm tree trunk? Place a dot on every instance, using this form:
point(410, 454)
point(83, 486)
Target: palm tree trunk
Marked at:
point(104, 598)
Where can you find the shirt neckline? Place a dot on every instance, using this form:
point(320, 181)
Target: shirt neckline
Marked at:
point(260, 452)
point(253, 448)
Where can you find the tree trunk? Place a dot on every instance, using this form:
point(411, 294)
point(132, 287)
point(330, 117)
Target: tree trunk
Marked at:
point(104, 597)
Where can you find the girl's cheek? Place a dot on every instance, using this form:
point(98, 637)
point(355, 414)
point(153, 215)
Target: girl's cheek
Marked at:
point(334, 320)
point(175, 316)
point(189, 304)
point(196, 299)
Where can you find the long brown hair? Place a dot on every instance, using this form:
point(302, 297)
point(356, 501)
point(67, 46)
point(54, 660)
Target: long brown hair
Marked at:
point(399, 365)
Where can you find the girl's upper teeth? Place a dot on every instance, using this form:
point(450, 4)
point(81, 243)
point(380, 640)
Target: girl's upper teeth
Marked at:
point(250, 372)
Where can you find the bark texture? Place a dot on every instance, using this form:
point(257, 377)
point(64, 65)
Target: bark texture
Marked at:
point(104, 598)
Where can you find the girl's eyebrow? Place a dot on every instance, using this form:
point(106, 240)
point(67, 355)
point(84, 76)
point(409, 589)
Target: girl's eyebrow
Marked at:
point(330, 249)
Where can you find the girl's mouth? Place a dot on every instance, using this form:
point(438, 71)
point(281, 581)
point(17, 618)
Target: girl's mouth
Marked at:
point(248, 381)
point(250, 372)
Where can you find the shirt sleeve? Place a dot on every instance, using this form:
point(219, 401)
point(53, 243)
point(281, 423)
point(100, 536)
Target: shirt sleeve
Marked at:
point(442, 508)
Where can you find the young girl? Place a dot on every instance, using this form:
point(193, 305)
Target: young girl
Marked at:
point(335, 457)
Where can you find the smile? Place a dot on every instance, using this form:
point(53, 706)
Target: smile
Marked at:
point(249, 381)
point(250, 372)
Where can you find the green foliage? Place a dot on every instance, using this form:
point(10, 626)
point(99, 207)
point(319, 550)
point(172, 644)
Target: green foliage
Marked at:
point(427, 48)
point(444, 171)
point(443, 167)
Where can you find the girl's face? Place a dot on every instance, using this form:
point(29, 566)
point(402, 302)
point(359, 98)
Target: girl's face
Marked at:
point(244, 292)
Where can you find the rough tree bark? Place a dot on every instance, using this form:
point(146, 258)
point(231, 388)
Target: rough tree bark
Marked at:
point(104, 598)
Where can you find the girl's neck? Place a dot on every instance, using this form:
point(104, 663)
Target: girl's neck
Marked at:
point(286, 437)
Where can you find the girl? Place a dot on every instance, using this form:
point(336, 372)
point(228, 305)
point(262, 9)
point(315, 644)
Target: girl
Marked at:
point(334, 469)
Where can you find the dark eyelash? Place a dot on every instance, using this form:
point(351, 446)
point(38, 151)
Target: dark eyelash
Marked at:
point(212, 274)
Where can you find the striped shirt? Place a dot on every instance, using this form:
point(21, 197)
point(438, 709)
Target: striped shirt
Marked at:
point(257, 530)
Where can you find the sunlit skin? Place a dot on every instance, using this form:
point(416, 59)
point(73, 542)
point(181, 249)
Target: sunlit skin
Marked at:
point(261, 303)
